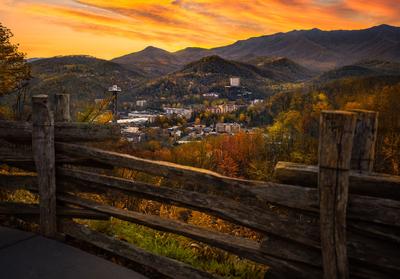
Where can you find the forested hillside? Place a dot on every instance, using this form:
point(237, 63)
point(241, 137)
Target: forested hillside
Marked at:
point(209, 74)
point(291, 122)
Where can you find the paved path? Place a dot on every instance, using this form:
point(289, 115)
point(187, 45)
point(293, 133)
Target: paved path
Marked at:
point(24, 255)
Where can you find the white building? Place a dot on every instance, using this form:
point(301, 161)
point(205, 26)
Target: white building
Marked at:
point(256, 101)
point(230, 128)
point(133, 134)
point(234, 81)
point(141, 103)
point(211, 95)
point(225, 108)
point(183, 112)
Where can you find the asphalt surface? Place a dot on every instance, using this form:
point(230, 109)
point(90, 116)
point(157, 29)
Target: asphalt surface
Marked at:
point(24, 255)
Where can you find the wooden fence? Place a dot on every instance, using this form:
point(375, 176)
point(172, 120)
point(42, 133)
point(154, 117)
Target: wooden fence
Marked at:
point(335, 220)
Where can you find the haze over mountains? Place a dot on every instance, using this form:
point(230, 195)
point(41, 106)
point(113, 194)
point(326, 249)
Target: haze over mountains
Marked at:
point(315, 49)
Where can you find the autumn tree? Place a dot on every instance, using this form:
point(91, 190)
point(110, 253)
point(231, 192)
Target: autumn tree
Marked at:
point(14, 71)
point(98, 112)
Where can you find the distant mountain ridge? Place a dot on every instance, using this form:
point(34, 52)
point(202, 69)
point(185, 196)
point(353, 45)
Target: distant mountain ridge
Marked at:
point(152, 61)
point(362, 69)
point(315, 49)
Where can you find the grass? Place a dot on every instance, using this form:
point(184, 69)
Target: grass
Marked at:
point(181, 248)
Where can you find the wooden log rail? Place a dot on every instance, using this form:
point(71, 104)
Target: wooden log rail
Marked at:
point(63, 131)
point(213, 182)
point(258, 192)
point(26, 209)
point(371, 184)
point(237, 213)
point(360, 228)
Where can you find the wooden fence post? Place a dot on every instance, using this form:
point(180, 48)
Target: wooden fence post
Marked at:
point(363, 153)
point(43, 152)
point(335, 145)
point(61, 108)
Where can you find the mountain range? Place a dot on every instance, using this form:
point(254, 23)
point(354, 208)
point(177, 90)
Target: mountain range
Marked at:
point(315, 49)
point(266, 64)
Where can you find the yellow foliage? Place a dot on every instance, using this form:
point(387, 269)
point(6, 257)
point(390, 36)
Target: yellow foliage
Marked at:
point(104, 118)
point(6, 113)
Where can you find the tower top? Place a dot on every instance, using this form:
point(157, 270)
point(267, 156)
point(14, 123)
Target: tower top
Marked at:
point(114, 88)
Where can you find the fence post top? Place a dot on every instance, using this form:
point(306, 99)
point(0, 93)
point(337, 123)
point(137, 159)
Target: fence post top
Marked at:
point(364, 111)
point(40, 97)
point(337, 112)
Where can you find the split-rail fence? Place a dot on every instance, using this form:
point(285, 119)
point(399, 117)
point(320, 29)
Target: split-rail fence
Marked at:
point(337, 219)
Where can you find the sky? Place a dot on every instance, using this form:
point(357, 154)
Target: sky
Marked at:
point(110, 28)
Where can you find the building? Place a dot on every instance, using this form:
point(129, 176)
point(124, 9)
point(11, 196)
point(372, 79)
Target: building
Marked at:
point(183, 112)
point(211, 95)
point(133, 134)
point(175, 132)
point(234, 81)
point(230, 128)
point(221, 109)
point(141, 103)
point(256, 101)
point(199, 128)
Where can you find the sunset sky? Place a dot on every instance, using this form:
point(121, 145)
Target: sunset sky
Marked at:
point(110, 28)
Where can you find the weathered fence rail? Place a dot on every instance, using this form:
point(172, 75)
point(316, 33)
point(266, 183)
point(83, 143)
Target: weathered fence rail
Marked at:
point(369, 184)
point(66, 132)
point(349, 226)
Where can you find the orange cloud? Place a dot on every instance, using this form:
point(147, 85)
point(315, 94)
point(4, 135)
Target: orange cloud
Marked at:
point(109, 28)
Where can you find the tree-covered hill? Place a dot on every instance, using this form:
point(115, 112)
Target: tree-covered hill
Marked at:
point(282, 69)
point(84, 78)
point(362, 69)
point(209, 74)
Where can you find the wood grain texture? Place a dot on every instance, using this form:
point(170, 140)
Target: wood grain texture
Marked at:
point(43, 154)
point(62, 108)
point(291, 230)
point(16, 182)
point(335, 147)
point(363, 152)
point(367, 268)
point(371, 184)
point(15, 130)
point(64, 131)
point(371, 209)
point(231, 187)
point(18, 209)
point(227, 209)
